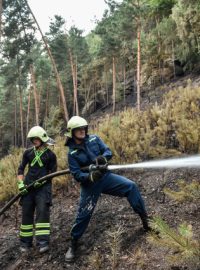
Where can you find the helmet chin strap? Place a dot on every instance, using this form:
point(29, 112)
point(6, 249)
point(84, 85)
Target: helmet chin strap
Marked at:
point(80, 140)
point(41, 143)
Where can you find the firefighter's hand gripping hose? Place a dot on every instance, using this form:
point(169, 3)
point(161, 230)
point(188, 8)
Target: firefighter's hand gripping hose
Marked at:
point(101, 160)
point(29, 187)
point(22, 187)
point(97, 171)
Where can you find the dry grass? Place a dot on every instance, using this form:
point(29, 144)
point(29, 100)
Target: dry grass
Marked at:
point(167, 130)
point(170, 129)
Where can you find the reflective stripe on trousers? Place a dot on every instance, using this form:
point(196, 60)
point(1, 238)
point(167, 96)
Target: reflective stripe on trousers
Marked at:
point(35, 201)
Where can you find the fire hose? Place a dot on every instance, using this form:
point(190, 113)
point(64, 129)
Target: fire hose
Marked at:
point(31, 186)
point(173, 163)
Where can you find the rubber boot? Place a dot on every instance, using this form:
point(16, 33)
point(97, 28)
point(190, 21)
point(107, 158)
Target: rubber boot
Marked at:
point(71, 252)
point(44, 249)
point(145, 222)
point(24, 249)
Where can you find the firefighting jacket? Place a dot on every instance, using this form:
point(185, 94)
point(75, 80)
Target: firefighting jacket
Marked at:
point(40, 163)
point(82, 155)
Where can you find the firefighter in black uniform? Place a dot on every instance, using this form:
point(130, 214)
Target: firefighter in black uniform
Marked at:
point(41, 161)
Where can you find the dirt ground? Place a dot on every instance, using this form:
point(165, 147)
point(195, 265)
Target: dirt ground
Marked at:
point(113, 219)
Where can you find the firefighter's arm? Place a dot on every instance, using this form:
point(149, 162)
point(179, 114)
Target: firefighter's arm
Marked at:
point(20, 176)
point(104, 149)
point(76, 171)
point(22, 166)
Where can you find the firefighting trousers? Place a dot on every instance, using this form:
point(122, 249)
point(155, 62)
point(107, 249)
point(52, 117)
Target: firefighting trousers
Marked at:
point(36, 203)
point(111, 184)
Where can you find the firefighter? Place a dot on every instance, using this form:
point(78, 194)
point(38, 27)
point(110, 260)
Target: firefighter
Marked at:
point(85, 150)
point(41, 161)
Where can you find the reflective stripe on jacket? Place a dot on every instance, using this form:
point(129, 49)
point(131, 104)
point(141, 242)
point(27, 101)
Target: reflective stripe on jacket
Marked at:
point(35, 171)
point(83, 155)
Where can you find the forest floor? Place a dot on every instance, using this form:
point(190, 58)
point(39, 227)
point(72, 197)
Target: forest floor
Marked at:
point(113, 217)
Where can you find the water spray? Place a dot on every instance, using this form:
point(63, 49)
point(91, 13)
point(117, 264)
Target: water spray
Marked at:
point(172, 163)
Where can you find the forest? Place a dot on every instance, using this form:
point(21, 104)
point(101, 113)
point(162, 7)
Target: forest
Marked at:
point(136, 79)
point(46, 79)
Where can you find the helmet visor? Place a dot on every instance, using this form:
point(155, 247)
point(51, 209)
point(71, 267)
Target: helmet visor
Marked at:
point(50, 141)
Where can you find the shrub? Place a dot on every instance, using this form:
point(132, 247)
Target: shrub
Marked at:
point(181, 243)
point(170, 129)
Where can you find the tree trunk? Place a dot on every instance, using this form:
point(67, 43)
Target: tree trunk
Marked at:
point(21, 117)
point(106, 86)
point(39, 97)
point(20, 103)
point(59, 101)
point(74, 78)
point(124, 75)
point(88, 93)
point(114, 84)
point(76, 83)
point(47, 99)
point(84, 88)
point(138, 66)
point(1, 3)
point(74, 93)
point(28, 113)
point(173, 59)
point(160, 65)
point(15, 125)
point(93, 96)
point(59, 83)
point(35, 93)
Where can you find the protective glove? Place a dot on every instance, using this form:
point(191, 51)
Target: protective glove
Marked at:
point(22, 187)
point(39, 184)
point(101, 160)
point(95, 176)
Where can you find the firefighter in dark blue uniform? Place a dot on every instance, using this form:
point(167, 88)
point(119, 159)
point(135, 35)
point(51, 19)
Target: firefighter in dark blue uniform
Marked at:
point(41, 161)
point(85, 150)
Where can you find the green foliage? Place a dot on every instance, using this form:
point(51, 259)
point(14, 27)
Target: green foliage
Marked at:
point(169, 32)
point(161, 131)
point(186, 14)
point(78, 45)
point(94, 44)
point(181, 243)
point(187, 192)
point(54, 123)
point(56, 27)
point(108, 30)
point(161, 8)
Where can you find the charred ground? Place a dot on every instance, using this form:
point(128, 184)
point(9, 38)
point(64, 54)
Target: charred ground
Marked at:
point(113, 217)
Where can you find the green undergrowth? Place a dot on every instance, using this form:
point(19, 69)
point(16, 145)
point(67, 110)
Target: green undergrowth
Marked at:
point(169, 129)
